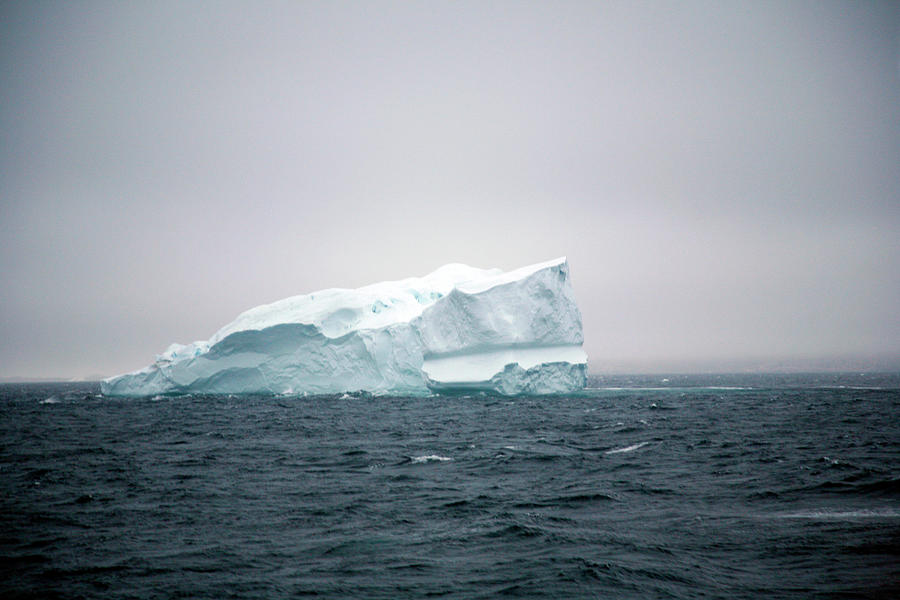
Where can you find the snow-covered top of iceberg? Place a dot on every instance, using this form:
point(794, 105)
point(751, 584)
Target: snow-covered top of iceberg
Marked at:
point(338, 311)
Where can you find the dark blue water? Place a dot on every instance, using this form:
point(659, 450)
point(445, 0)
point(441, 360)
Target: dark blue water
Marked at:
point(677, 487)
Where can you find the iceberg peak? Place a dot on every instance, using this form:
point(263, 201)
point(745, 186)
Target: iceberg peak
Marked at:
point(457, 328)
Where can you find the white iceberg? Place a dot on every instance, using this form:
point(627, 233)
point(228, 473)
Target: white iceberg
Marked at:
point(458, 329)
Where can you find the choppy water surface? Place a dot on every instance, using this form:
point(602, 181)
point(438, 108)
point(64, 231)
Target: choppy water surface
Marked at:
point(644, 487)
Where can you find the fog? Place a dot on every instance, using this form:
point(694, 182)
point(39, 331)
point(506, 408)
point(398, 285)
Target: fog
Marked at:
point(723, 177)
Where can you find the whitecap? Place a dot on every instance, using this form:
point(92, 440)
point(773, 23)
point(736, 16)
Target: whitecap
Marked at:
point(429, 458)
point(627, 448)
point(50, 400)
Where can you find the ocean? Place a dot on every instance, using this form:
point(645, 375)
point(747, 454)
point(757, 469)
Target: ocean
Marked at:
point(700, 486)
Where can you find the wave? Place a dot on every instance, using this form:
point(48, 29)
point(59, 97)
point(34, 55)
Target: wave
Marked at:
point(887, 513)
point(569, 501)
point(670, 388)
point(627, 448)
point(851, 485)
point(428, 458)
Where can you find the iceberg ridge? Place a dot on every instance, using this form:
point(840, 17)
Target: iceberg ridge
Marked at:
point(459, 328)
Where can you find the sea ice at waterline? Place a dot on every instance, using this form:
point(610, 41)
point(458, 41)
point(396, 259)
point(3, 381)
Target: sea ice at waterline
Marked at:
point(458, 328)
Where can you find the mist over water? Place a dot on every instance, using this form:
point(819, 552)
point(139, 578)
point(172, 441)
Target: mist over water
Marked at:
point(640, 487)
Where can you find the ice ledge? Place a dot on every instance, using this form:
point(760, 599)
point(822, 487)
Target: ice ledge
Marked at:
point(462, 368)
point(513, 380)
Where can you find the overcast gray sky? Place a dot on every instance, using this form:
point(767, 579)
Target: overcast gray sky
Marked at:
point(723, 176)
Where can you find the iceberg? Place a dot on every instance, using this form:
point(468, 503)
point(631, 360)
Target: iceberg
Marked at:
point(457, 330)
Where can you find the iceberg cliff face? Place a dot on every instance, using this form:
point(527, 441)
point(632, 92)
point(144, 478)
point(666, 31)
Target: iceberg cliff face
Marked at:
point(457, 329)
